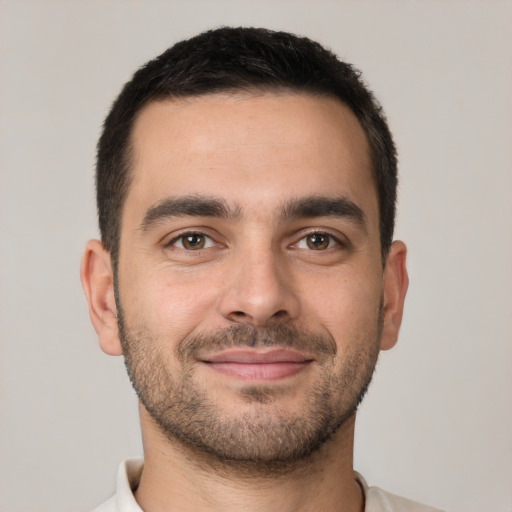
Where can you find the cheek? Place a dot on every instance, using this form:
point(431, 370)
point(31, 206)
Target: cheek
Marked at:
point(348, 306)
point(171, 306)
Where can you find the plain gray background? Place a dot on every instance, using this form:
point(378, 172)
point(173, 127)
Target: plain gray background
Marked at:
point(437, 423)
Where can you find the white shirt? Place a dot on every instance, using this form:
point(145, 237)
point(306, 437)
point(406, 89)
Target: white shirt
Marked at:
point(130, 470)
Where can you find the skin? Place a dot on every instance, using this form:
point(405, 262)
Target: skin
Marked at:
point(255, 153)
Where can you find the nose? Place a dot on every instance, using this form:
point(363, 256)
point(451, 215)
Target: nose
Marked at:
point(259, 291)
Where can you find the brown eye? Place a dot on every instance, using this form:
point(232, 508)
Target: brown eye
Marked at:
point(193, 242)
point(318, 241)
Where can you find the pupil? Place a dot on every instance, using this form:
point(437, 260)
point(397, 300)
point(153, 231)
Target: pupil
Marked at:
point(318, 242)
point(194, 241)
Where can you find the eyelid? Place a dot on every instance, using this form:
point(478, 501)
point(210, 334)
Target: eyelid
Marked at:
point(338, 239)
point(176, 237)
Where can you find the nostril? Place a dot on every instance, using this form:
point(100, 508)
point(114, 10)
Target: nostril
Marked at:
point(238, 313)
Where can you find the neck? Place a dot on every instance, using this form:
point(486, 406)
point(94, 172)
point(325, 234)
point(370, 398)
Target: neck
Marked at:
point(177, 478)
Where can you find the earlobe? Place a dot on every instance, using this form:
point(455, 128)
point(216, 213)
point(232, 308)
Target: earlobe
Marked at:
point(396, 282)
point(98, 285)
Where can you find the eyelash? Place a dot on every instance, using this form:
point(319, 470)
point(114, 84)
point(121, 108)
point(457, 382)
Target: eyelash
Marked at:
point(332, 241)
point(189, 234)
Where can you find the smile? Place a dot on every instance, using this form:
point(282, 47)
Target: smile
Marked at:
point(251, 365)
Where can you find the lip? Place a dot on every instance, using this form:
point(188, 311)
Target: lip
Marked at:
point(252, 365)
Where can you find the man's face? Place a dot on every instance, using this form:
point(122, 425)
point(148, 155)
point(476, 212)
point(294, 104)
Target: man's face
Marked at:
point(250, 281)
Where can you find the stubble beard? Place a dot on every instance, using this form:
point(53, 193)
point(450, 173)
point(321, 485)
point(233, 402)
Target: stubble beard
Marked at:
point(255, 441)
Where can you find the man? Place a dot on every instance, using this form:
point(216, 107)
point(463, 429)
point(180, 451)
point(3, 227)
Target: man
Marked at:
point(246, 185)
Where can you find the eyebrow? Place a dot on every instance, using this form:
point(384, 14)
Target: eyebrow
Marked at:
point(323, 206)
point(204, 206)
point(188, 206)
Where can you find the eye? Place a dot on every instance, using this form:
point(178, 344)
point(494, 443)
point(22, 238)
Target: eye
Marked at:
point(193, 242)
point(317, 242)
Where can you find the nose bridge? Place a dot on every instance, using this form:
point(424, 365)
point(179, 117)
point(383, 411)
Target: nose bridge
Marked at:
point(260, 289)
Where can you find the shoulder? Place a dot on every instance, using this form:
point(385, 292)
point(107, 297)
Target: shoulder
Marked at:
point(128, 476)
point(378, 500)
point(108, 506)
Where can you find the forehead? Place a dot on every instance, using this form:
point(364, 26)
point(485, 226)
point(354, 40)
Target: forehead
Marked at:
point(254, 150)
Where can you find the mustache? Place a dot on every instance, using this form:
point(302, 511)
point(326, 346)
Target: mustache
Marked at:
point(246, 335)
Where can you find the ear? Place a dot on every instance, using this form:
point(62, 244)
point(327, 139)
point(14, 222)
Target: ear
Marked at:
point(396, 282)
point(98, 284)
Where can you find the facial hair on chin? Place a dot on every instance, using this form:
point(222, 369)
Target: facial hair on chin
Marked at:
point(186, 413)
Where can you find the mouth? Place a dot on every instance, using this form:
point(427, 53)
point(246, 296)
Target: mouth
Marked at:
point(258, 366)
